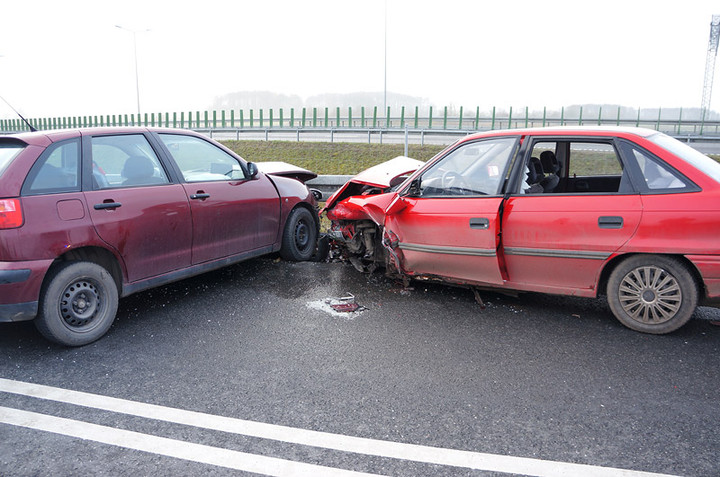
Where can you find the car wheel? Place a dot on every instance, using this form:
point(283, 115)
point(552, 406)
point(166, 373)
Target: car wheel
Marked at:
point(78, 304)
point(300, 236)
point(652, 293)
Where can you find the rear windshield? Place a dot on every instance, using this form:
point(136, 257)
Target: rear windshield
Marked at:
point(702, 162)
point(8, 151)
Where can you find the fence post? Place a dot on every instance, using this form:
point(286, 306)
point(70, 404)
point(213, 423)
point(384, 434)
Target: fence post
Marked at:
point(658, 121)
point(387, 118)
point(282, 122)
point(526, 116)
point(303, 118)
point(679, 121)
point(544, 114)
point(618, 117)
point(492, 125)
point(461, 118)
point(580, 118)
point(375, 117)
point(232, 118)
point(417, 110)
point(477, 118)
point(362, 116)
point(562, 116)
point(445, 118)
point(271, 118)
point(637, 123)
point(430, 118)
point(314, 117)
point(242, 119)
point(402, 118)
point(337, 117)
point(510, 119)
point(260, 113)
point(252, 118)
point(292, 117)
point(600, 116)
point(326, 117)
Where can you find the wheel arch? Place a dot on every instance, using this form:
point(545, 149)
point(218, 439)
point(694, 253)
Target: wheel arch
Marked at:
point(615, 261)
point(97, 255)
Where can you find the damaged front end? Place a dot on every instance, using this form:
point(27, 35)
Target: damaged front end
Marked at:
point(357, 212)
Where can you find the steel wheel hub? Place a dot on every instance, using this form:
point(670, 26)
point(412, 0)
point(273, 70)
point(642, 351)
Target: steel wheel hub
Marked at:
point(650, 295)
point(302, 236)
point(80, 303)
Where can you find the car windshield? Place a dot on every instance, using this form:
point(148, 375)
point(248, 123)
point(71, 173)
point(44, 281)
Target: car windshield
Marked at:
point(702, 162)
point(8, 151)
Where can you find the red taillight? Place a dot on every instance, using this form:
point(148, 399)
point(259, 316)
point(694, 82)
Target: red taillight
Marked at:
point(10, 214)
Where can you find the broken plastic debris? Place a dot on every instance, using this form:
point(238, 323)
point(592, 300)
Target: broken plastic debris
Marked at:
point(343, 306)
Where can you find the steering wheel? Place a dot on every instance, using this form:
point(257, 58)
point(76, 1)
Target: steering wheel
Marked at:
point(453, 182)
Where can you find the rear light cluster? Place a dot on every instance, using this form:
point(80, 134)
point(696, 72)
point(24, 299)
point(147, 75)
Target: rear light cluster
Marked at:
point(10, 214)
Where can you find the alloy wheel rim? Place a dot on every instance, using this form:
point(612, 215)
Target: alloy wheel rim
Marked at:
point(650, 295)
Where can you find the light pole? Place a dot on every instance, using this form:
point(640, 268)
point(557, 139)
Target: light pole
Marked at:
point(137, 82)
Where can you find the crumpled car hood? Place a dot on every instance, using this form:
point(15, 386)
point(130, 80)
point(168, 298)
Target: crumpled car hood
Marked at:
point(284, 169)
point(382, 176)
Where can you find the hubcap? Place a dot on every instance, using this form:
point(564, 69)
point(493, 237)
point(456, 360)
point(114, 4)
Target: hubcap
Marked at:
point(80, 303)
point(650, 295)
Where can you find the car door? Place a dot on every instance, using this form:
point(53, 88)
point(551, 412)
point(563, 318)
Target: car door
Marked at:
point(449, 224)
point(232, 213)
point(134, 206)
point(558, 240)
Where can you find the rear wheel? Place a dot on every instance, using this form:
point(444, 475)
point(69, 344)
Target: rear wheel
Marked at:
point(78, 304)
point(652, 293)
point(300, 236)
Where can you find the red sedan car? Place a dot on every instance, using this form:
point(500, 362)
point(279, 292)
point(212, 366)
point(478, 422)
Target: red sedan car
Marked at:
point(624, 212)
point(87, 216)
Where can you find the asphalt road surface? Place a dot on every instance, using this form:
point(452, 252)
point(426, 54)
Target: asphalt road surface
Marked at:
point(247, 370)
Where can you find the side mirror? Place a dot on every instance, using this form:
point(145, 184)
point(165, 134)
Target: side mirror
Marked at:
point(415, 189)
point(252, 169)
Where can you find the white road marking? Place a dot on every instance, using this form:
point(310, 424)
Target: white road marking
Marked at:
point(339, 442)
point(168, 447)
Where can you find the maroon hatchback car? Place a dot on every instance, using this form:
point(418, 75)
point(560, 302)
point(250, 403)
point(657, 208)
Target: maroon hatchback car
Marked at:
point(88, 216)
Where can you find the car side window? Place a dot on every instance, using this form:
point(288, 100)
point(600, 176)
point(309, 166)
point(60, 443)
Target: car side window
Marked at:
point(655, 175)
point(476, 168)
point(200, 161)
point(57, 170)
point(593, 167)
point(125, 160)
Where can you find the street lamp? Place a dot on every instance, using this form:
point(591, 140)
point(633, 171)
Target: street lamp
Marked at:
point(137, 83)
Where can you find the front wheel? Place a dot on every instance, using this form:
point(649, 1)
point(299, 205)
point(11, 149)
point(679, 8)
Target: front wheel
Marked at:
point(652, 294)
point(78, 304)
point(300, 236)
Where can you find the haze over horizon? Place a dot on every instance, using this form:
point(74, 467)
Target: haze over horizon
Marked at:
point(74, 60)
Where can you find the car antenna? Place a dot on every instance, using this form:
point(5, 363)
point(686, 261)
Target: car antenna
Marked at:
point(32, 128)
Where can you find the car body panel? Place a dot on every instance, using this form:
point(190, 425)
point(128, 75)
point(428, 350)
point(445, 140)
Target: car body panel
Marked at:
point(161, 212)
point(238, 216)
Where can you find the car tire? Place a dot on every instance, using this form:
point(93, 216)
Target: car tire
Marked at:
point(652, 293)
point(78, 304)
point(300, 236)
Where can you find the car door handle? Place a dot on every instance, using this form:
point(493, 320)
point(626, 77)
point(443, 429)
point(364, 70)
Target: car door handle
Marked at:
point(107, 205)
point(610, 222)
point(200, 196)
point(479, 223)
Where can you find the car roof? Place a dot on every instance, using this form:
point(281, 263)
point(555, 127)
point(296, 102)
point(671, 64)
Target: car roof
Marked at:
point(567, 131)
point(42, 138)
